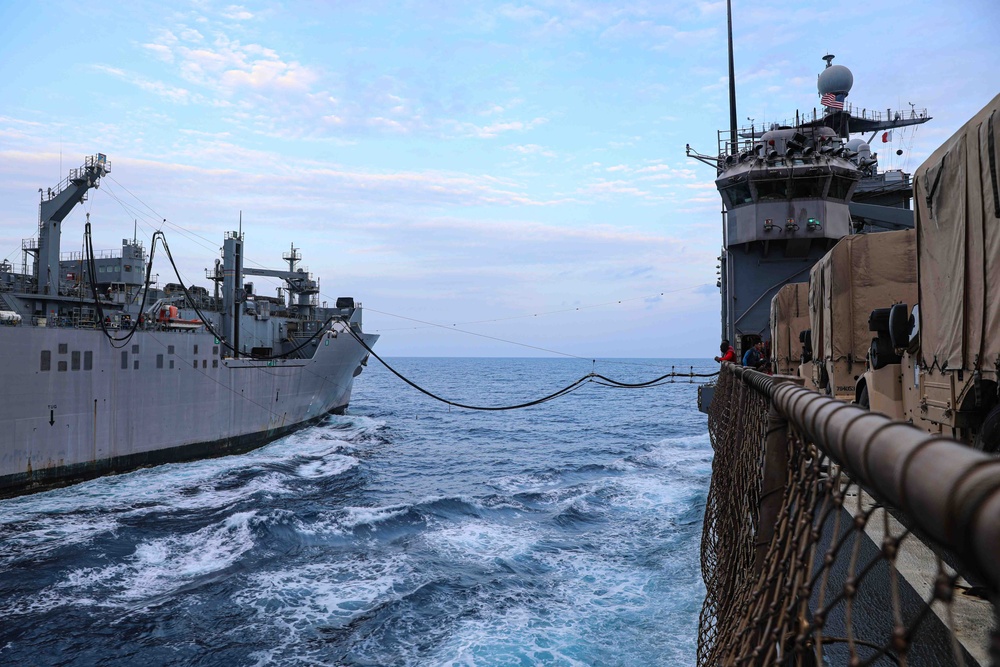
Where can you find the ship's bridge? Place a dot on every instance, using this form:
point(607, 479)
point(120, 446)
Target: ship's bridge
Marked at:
point(790, 184)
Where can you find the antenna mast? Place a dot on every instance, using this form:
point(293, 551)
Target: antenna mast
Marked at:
point(732, 82)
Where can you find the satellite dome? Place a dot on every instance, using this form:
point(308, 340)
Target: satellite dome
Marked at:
point(835, 79)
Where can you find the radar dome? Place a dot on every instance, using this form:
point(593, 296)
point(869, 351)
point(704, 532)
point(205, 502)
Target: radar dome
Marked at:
point(835, 79)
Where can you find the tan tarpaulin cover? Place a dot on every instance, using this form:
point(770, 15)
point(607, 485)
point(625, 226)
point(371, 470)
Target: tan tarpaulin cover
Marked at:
point(859, 274)
point(789, 316)
point(958, 228)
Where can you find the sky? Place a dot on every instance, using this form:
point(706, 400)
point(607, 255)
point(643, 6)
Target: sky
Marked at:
point(487, 178)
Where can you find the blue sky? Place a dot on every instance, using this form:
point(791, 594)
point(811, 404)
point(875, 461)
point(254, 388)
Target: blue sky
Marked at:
point(489, 179)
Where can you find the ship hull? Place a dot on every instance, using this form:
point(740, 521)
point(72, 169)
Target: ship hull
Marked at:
point(74, 407)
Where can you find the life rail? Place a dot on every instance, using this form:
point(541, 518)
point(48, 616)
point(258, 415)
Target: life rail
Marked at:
point(835, 535)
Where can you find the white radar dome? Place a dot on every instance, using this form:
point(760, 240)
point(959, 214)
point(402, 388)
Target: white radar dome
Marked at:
point(835, 79)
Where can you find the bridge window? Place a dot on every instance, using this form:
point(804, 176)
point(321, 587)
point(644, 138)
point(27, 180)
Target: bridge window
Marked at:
point(772, 190)
point(804, 188)
point(74, 361)
point(737, 194)
point(46, 362)
point(88, 361)
point(839, 187)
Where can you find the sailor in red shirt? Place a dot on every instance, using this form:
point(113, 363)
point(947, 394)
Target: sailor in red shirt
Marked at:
point(728, 353)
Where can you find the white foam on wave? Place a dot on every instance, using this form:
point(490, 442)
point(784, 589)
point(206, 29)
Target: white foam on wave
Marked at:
point(527, 483)
point(154, 568)
point(482, 542)
point(512, 636)
point(166, 564)
point(329, 466)
point(168, 486)
point(160, 484)
point(607, 593)
point(293, 604)
point(345, 519)
point(83, 512)
point(46, 534)
point(679, 451)
point(370, 516)
point(649, 493)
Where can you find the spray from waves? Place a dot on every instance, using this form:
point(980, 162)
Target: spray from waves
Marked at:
point(292, 608)
point(538, 538)
point(156, 568)
point(481, 586)
point(33, 525)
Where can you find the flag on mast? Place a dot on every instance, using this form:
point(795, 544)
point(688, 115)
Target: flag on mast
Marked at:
point(830, 101)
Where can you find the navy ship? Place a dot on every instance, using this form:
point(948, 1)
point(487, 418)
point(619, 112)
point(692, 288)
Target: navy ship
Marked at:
point(105, 372)
point(792, 190)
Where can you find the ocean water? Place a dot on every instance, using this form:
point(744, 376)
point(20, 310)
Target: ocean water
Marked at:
point(402, 533)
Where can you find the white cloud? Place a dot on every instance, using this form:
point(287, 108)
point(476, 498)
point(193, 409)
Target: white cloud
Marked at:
point(531, 149)
point(159, 88)
point(237, 13)
point(495, 129)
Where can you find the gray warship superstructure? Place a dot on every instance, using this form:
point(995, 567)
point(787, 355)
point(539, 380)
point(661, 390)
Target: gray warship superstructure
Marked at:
point(791, 191)
point(103, 372)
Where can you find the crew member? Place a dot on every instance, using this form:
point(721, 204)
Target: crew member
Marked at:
point(754, 357)
point(728, 353)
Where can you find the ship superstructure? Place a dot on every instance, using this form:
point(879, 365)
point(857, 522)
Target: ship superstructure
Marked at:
point(792, 190)
point(104, 371)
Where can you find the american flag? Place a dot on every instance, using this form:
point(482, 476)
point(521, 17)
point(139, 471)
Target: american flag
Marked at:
point(830, 100)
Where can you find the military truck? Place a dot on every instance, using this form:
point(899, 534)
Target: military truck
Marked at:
point(789, 320)
point(859, 273)
point(938, 365)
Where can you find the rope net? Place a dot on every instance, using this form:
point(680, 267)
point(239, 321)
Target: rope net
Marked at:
point(805, 566)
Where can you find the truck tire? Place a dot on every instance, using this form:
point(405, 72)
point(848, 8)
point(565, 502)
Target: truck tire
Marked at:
point(899, 326)
point(988, 438)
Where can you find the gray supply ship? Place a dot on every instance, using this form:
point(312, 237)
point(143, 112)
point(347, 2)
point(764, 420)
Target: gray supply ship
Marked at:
point(103, 372)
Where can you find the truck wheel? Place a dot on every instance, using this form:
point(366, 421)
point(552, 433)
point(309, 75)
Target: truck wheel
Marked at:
point(988, 438)
point(863, 400)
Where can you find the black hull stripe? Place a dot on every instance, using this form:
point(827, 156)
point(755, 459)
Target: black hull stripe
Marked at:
point(44, 479)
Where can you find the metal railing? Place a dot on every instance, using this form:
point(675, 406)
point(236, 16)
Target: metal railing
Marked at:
point(846, 537)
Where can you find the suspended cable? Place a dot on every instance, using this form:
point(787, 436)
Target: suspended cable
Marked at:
point(205, 321)
point(139, 214)
point(101, 317)
point(573, 386)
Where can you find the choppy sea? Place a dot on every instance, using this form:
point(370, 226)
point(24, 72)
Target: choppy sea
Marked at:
point(402, 533)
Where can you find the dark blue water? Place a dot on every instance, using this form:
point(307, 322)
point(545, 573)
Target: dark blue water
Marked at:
point(403, 533)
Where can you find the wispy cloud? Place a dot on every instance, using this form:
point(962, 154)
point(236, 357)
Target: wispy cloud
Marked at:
point(495, 129)
point(237, 13)
point(531, 149)
point(159, 88)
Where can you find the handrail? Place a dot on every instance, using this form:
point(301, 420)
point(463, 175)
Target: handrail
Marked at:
point(946, 489)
